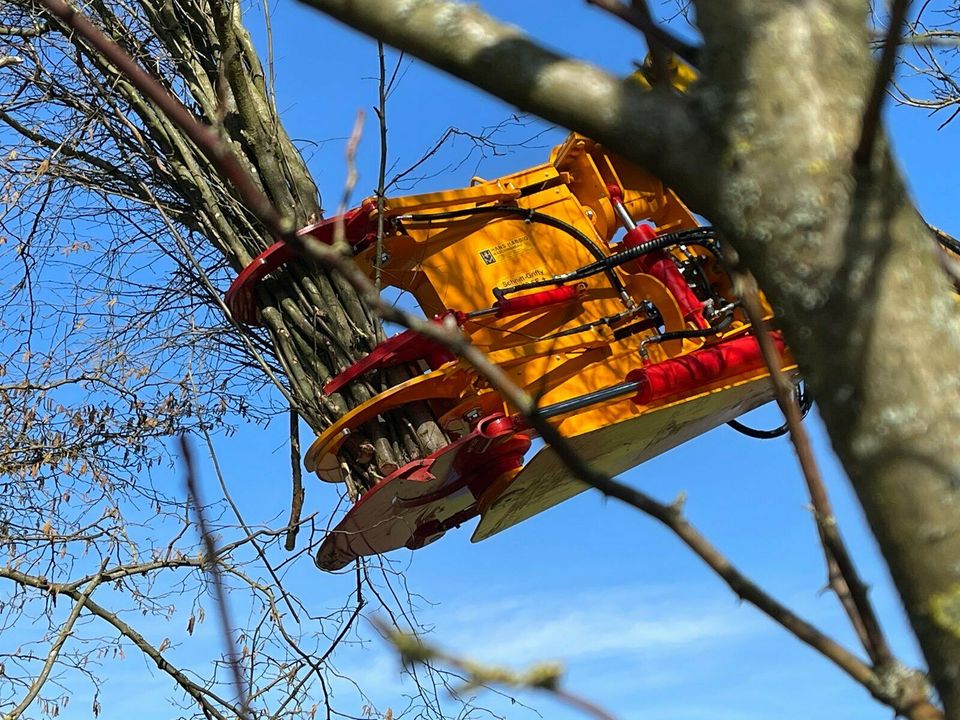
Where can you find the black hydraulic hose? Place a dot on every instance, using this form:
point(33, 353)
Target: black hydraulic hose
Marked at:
point(685, 334)
point(591, 398)
point(637, 327)
point(950, 243)
point(529, 216)
point(803, 399)
point(652, 320)
point(704, 237)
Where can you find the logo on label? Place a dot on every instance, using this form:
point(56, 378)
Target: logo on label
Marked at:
point(507, 250)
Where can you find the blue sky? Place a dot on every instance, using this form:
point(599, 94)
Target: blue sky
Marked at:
point(643, 628)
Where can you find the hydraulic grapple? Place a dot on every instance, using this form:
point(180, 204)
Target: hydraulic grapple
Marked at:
point(590, 285)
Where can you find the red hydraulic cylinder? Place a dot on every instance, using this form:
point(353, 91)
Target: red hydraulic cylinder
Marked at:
point(657, 262)
point(684, 375)
point(662, 267)
point(537, 300)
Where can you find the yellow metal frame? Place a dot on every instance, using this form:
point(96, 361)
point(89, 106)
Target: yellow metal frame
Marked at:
point(455, 263)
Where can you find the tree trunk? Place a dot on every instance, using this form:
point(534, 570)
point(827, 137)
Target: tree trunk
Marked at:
point(850, 265)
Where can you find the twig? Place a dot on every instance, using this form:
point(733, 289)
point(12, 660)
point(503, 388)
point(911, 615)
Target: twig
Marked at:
point(353, 143)
point(296, 505)
point(215, 574)
point(945, 239)
point(271, 67)
point(949, 253)
point(884, 72)
point(926, 39)
point(544, 676)
point(638, 15)
point(382, 174)
point(844, 578)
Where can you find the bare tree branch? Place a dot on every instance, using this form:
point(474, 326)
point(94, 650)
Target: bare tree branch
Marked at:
point(215, 572)
point(63, 635)
point(467, 43)
point(638, 15)
point(884, 72)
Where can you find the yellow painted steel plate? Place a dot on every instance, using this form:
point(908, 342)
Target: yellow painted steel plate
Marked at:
point(545, 481)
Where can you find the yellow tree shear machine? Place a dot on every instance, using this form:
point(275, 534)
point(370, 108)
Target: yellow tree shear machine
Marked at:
point(590, 285)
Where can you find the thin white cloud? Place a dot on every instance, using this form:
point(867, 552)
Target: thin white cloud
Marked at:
point(586, 624)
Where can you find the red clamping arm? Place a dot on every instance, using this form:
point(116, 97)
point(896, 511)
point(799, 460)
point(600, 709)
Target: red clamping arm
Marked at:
point(537, 300)
point(507, 457)
point(358, 228)
point(420, 501)
point(239, 297)
point(659, 264)
point(404, 347)
point(685, 374)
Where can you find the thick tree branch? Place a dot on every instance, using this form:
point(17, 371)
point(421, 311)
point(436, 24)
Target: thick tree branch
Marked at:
point(467, 43)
